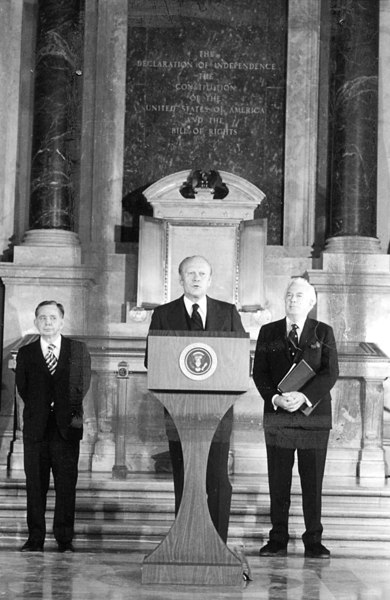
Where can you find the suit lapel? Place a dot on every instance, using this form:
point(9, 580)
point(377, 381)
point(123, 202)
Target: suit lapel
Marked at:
point(37, 350)
point(304, 339)
point(215, 318)
point(281, 333)
point(307, 333)
point(177, 319)
point(63, 358)
point(177, 316)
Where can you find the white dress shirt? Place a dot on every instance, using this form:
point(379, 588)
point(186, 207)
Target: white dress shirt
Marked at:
point(56, 343)
point(300, 325)
point(202, 310)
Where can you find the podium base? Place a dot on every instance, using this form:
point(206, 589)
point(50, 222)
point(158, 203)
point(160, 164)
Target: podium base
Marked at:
point(192, 574)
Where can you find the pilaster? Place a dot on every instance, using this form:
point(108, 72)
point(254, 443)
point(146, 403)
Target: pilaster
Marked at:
point(301, 122)
point(11, 17)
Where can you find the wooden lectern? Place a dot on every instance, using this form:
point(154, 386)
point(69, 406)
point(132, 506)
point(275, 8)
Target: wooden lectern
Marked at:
point(196, 376)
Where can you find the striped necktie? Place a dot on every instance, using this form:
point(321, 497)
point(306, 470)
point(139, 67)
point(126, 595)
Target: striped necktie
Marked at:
point(51, 359)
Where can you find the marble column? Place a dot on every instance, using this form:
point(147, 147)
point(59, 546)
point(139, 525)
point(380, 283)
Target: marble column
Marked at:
point(353, 114)
point(55, 153)
point(303, 55)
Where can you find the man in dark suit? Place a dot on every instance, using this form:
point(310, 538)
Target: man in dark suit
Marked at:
point(299, 420)
point(196, 311)
point(52, 378)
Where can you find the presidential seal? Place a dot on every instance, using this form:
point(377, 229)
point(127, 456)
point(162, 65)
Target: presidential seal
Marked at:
point(198, 361)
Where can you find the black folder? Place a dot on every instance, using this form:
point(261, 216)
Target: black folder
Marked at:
point(299, 374)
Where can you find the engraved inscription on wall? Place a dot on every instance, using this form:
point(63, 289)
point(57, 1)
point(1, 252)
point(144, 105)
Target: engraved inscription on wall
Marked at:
point(206, 90)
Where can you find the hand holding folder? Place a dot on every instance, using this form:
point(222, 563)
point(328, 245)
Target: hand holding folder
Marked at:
point(299, 374)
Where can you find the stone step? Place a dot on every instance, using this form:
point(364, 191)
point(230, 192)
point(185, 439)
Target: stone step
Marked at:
point(244, 489)
point(239, 528)
point(132, 530)
point(344, 504)
point(135, 514)
point(145, 539)
point(128, 510)
point(151, 512)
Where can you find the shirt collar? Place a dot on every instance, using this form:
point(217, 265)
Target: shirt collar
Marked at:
point(56, 342)
point(202, 310)
point(300, 324)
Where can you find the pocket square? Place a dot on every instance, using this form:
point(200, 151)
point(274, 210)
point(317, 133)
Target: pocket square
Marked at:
point(315, 346)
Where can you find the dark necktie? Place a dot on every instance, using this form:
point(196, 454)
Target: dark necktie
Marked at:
point(51, 359)
point(196, 319)
point(293, 340)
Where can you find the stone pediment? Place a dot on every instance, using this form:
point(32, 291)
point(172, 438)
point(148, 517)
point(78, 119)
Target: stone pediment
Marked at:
point(239, 204)
point(223, 230)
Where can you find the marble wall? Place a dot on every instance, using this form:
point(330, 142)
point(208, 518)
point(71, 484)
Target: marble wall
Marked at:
point(205, 89)
point(115, 31)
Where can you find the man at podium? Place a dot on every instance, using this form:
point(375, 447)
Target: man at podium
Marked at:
point(195, 311)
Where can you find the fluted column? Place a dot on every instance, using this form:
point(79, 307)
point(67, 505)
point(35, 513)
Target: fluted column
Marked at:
point(353, 117)
point(56, 123)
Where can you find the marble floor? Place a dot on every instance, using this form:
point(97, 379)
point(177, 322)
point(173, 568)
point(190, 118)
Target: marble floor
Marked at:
point(117, 576)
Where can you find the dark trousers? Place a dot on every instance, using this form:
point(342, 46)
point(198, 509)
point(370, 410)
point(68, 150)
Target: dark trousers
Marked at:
point(61, 457)
point(311, 466)
point(218, 487)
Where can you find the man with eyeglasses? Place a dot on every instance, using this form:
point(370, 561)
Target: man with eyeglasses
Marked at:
point(52, 377)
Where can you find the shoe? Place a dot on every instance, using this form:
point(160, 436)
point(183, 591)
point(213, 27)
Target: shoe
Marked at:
point(316, 550)
point(273, 549)
point(30, 546)
point(65, 547)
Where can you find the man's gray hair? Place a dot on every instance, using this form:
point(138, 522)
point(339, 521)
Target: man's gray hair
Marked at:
point(187, 259)
point(303, 281)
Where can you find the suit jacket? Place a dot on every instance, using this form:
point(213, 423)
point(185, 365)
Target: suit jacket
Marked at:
point(273, 360)
point(66, 388)
point(221, 316)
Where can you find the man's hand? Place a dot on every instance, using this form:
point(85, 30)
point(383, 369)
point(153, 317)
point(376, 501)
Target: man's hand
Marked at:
point(290, 401)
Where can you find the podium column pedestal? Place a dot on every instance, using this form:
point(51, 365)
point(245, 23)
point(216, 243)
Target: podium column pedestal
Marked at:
point(193, 552)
